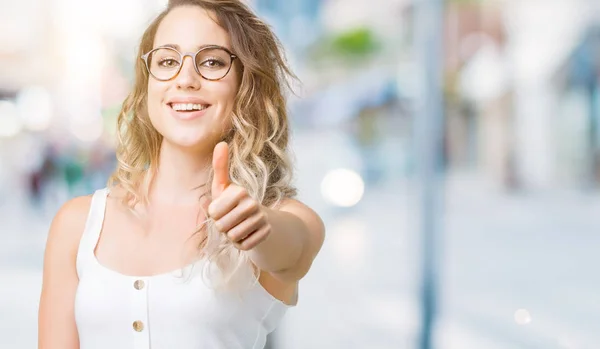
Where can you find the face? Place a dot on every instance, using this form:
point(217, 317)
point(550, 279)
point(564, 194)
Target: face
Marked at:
point(188, 29)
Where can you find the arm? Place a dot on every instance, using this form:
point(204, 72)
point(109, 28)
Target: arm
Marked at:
point(296, 236)
point(282, 242)
point(56, 319)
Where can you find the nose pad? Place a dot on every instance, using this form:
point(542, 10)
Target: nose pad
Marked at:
point(191, 61)
point(188, 76)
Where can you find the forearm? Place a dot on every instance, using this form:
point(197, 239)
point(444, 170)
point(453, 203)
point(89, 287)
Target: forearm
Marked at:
point(284, 246)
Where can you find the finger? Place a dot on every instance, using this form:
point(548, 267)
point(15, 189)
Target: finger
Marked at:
point(253, 239)
point(238, 214)
point(245, 228)
point(220, 164)
point(227, 201)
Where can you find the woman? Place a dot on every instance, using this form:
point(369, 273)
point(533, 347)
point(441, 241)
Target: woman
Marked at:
point(200, 206)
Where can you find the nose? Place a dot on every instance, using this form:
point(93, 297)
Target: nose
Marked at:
point(188, 78)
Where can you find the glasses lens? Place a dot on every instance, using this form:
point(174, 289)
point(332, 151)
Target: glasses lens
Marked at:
point(213, 63)
point(164, 63)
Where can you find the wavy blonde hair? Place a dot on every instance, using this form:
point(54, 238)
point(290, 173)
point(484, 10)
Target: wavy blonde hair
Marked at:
point(258, 141)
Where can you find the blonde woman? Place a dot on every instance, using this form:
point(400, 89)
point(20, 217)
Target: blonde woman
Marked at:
point(197, 241)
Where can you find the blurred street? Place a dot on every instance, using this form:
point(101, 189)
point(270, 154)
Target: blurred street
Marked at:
point(502, 252)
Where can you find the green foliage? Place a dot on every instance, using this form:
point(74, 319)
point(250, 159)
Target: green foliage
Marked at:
point(354, 45)
point(359, 41)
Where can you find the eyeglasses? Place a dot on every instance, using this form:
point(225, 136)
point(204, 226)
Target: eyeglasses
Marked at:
point(211, 62)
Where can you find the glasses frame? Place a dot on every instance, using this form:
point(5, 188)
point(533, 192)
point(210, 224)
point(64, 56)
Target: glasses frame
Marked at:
point(192, 55)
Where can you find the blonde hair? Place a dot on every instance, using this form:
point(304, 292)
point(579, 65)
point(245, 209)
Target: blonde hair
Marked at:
point(259, 159)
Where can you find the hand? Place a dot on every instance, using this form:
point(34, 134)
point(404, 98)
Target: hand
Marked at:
point(237, 215)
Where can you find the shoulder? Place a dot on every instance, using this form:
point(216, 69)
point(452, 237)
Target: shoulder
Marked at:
point(306, 215)
point(69, 222)
point(314, 226)
point(60, 279)
point(73, 212)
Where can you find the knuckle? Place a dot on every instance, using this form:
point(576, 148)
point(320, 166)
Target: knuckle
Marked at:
point(219, 225)
point(251, 206)
point(240, 192)
point(235, 234)
point(232, 235)
point(261, 219)
point(259, 223)
point(211, 210)
point(245, 245)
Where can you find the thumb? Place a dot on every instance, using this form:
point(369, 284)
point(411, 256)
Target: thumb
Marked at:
point(220, 164)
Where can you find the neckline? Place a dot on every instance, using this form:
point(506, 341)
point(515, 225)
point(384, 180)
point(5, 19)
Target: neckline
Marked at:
point(185, 268)
point(182, 269)
point(201, 262)
point(261, 289)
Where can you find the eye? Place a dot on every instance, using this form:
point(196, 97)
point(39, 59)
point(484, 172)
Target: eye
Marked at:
point(212, 63)
point(168, 63)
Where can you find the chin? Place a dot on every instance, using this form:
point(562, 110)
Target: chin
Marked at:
point(188, 143)
point(189, 140)
point(195, 135)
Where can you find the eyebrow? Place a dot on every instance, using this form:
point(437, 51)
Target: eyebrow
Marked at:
point(175, 46)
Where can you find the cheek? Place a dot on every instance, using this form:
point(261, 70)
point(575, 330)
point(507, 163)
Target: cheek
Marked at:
point(226, 96)
point(154, 101)
point(230, 107)
point(227, 92)
point(229, 98)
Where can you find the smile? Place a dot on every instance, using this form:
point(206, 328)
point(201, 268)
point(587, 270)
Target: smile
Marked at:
point(188, 106)
point(188, 111)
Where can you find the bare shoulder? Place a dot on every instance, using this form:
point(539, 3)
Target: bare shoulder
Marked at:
point(315, 229)
point(56, 323)
point(69, 222)
point(296, 206)
point(311, 218)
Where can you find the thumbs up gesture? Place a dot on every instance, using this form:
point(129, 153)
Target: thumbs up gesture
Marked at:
point(237, 215)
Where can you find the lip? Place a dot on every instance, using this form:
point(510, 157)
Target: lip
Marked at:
point(187, 115)
point(193, 100)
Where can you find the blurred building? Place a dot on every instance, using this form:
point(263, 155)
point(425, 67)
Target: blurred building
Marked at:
point(502, 100)
point(296, 22)
point(64, 71)
point(578, 116)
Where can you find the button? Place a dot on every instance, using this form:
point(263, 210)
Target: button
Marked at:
point(138, 326)
point(139, 284)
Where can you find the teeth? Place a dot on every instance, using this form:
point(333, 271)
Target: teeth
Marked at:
point(187, 106)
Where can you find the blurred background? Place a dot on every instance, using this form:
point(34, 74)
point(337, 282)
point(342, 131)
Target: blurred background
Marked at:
point(505, 238)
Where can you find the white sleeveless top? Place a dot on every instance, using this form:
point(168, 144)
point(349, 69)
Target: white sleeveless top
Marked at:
point(175, 310)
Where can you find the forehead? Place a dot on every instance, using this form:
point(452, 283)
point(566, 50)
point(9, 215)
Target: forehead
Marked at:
point(190, 27)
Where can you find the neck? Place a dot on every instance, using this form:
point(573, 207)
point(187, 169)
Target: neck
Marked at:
point(181, 176)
